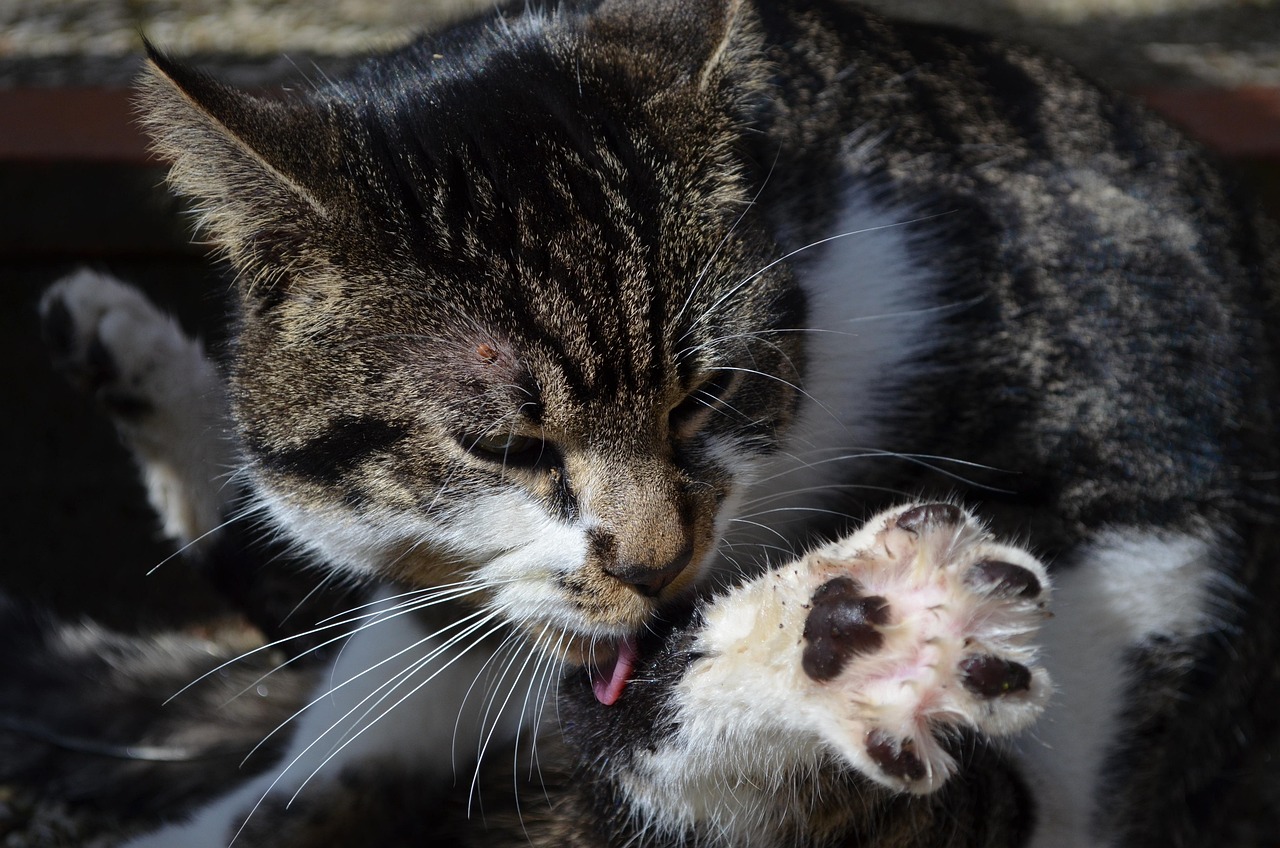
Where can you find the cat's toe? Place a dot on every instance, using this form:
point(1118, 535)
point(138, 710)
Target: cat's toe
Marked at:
point(921, 625)
point(112, 343)
point(58, 325)
point(70, 329)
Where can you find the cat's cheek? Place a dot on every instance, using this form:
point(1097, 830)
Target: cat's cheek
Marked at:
point(332, 533)
point(446, 545)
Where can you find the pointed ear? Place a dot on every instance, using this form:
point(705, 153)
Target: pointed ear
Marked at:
point(709, 42)
point(253, 166)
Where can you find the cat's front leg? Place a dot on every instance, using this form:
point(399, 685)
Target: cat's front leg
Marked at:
point(871, 653)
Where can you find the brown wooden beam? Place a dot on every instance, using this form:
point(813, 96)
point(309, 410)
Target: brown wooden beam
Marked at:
point(47, 125)
point(1240, 123)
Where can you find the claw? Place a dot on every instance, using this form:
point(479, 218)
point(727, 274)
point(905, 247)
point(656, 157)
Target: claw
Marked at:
point(991, 677)
point(1003, 579)
point(923, 517)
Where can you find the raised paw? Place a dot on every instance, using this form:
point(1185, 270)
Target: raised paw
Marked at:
point(884, 644)
point(111, 342)
point(920, 624)
point(165, 397)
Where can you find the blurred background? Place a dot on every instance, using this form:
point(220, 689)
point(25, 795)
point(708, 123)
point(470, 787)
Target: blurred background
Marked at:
point(78, 187)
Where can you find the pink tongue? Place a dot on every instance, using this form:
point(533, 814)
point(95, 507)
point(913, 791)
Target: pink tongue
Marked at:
point(609, 680)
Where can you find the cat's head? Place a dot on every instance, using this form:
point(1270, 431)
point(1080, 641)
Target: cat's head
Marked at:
point(507, 314)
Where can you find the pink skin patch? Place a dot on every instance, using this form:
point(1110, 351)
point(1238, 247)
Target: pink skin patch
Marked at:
point(611, 677)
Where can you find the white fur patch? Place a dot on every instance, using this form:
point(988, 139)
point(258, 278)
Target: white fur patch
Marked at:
point(872, 313)
point(1127, 587)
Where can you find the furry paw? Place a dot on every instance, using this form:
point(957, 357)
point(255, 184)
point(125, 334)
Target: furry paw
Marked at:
point(113, 343)
point(165, 397)
point(890, 640)
point(919, 625)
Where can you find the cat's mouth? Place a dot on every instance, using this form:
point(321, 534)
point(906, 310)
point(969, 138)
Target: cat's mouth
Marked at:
point(610, 676)
point(608, 661)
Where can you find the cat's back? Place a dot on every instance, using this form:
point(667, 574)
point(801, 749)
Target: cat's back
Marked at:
point(1105, 291)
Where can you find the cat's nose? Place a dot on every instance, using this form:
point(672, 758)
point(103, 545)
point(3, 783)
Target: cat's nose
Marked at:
point(650, 580)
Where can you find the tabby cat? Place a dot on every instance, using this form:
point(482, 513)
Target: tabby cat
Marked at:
point(566, 324)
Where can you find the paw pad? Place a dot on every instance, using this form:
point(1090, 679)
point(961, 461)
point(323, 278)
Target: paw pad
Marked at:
point(896, 758)
point(992, 677)
point(841, 625)
point(1004, 579)
point(919, 623)
point(918, 519)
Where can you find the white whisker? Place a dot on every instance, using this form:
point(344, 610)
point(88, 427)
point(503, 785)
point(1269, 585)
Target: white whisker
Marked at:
point(488, 737)
point(371, 619)
point(336, 687)
point(747, 280)
point(481, 673)
point(238, 516)
point(410, 594)
point(786, 383)
point(391, 686)
point(697, 283)
point(398, 610)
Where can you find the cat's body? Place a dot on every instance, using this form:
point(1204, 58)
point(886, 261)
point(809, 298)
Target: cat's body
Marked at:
point(588, 307)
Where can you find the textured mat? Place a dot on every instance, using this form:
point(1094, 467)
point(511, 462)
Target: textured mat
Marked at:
point(96, 42)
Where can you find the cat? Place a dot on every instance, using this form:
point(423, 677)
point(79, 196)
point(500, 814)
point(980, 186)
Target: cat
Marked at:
point(914, 638)
point(576, 313)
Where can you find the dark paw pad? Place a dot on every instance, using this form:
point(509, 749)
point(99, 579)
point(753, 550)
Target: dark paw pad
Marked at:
point(841, 624)
point(58, 328)
point(99, 366)
point(896, 759)
point(89, 367)
point(991, 677)
point(1003, 579)
point(923, 517)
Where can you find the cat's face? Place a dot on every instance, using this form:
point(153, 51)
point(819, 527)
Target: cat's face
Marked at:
point(508, 322)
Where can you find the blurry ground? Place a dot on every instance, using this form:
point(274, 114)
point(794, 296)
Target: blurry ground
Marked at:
point(1128, 42)
point(1143, 46)
point(77, 536)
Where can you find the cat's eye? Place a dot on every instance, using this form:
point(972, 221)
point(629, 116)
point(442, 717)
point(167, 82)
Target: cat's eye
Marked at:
point(708, 397)
point(505, 447)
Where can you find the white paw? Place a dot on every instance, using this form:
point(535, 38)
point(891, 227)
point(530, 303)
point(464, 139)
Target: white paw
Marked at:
point(886, 642)
point(108, 339)
point(165, 397)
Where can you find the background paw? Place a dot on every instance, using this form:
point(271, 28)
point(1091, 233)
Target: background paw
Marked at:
point(920, 625)
point(111, 342)
point(166, 398)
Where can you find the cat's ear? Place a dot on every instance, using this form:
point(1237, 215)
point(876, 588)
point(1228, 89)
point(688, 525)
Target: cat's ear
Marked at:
point(710, 42)
point(252, 165)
